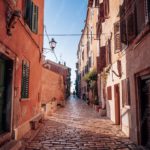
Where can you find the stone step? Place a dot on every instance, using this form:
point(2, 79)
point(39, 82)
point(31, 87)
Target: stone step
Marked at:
point(11, 145)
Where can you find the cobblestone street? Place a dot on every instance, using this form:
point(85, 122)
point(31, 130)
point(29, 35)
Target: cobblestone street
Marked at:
point(78, 126)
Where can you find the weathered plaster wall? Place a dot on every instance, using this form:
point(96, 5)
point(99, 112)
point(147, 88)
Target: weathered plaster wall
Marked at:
point(25, 45)
point(52, 86)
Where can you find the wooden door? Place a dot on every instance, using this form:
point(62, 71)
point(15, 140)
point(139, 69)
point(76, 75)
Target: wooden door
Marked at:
point(117, 104)
point(145, 112)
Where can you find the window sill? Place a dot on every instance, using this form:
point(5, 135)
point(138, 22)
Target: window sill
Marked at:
point(137, 39)
point(126, 107)
point(141, 35)
point(24, 99)
point(109, 99)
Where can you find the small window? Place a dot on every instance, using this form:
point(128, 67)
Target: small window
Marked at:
point(123, 33)
point(106, 8)
point(88, 48)
point(91, 34)
point(25, 79)
point(128, 90)
point(96, 3)
point(147, 12)
point(143, 15)
point(117, 41)
point(108, 52)
point(125, 92)
point(131, 26)
point(83, 55)
point(31, 15)
point(89, 62)
point(102, 58)
point(109, 93)
point(101, 12)
point(134, 17)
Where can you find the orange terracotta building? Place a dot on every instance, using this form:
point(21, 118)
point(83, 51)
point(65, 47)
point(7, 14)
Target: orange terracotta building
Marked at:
point(20, 65)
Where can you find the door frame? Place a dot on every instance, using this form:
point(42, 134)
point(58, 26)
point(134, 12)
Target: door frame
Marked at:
point(138, 77)
point(9, 135)
point(117, 104)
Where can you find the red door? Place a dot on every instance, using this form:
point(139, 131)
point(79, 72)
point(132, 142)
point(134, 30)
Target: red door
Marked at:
point(117, 104)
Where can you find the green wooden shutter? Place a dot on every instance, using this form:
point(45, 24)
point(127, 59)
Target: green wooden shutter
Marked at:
point(28, 12)
point(37, 16)
point(34, 18)
point(31, 15)
point(25, 80)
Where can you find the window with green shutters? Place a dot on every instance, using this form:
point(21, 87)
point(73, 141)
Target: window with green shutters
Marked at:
point(31, 15)
point(25, 79)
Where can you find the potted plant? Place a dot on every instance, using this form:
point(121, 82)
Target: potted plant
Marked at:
point(91, 79)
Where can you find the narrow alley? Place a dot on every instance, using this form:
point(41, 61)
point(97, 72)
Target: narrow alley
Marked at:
point(78, 126)
point(75, 74)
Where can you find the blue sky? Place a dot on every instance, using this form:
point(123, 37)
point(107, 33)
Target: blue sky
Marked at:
point(65, 17)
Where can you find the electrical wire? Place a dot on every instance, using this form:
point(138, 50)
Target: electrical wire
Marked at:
point(67, 34)
point(48, 35)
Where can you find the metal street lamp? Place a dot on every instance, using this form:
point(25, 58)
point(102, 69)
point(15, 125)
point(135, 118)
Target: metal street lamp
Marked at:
point(52, 44)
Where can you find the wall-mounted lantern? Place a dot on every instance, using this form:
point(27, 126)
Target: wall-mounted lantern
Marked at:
point(52, 44)
point(11, 19)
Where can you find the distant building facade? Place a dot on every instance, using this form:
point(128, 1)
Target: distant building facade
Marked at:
point(86, 54)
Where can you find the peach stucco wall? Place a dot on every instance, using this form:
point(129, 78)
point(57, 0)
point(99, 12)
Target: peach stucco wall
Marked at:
point(52, 86)
point(23, 44)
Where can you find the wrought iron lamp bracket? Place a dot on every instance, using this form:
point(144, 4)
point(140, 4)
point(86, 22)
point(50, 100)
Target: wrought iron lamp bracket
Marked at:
point(12, 17)
point(119, 68)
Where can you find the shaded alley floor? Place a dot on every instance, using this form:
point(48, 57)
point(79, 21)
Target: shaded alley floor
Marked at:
point(78, 126)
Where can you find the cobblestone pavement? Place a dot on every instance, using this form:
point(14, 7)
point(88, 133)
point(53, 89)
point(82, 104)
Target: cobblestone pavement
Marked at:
point(78, 127)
